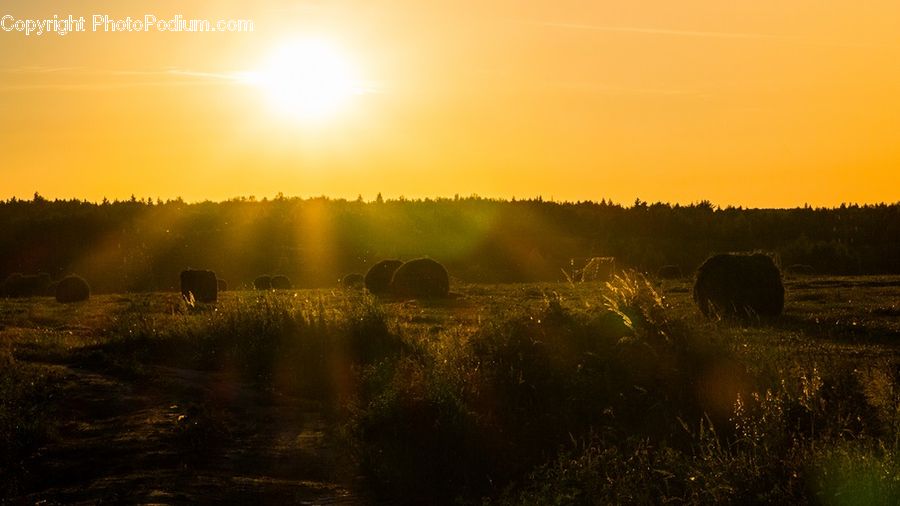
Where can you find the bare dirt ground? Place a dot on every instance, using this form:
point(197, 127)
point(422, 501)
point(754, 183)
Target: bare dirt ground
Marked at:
point(181, 436)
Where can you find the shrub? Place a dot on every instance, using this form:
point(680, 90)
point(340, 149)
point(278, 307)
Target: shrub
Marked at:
point(201, 285)
point(669, 272)
point(263, 283)
point(378, 279)
point(739, 286)
point(72, 289)
point(354, 280)
point(422, 277)
point(281, 282)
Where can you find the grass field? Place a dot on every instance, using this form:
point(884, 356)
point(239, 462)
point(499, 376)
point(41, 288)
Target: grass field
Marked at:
point(501, 394)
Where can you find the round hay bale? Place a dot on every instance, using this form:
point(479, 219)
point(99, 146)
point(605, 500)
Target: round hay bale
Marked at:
point(221, 284)
point(378, 279)
point(422, 277)
point(12, 285)
point(669, 272)
point(739, 286)
point(354, 280)
point(263, 283)
point(281, 282)
point(72, 289)
point(202, 284)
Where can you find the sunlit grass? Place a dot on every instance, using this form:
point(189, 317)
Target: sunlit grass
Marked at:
point(523, 394)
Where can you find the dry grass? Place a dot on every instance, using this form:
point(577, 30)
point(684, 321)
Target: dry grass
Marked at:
point(520, 393)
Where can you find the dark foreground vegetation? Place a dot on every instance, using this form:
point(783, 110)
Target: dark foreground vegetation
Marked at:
point(139, 245)
point(556, 393)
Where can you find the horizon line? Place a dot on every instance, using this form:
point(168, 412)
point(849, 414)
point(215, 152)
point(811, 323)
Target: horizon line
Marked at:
point(279, 197)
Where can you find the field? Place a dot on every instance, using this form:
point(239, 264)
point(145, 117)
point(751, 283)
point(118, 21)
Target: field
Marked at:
point(502, 394)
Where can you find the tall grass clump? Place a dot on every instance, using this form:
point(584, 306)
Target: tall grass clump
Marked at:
point(309, 346)
point(808, 438)
point(414, 438)
point(504, 400)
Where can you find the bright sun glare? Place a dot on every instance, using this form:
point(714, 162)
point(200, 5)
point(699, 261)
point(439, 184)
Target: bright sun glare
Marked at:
point(307, 79)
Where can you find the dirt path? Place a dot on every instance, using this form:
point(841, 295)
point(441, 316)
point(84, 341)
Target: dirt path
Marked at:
point(183, 437)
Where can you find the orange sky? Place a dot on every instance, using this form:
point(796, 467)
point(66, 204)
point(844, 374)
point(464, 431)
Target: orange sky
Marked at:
point(757, 103)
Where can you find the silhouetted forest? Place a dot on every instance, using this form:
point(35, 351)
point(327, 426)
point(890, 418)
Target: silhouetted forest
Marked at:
point(141, 245)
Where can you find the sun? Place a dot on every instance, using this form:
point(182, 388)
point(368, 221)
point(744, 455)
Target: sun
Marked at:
point(308, 79)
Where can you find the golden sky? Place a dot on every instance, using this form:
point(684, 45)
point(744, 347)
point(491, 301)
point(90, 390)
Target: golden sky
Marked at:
point(758, 103)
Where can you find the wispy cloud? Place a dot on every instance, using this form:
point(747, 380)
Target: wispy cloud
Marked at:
point(83, 78)
point(94, 86)
point(215, 76)
point(701, 34)
point(593, 87)
point(41, 70)
point(657, 31)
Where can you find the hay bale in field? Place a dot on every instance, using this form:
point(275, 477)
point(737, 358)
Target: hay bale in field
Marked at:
point(26, 285)
point(221, 285)
point(72, 289)
point(669, 272)
point(11, 286)
point(739, 286)
point(378, 279)
point(281, 282)
point(263, 283)
point(353, 280)
point(202, 284)
point(422, 277)
point(801, 270)
point(599, 269)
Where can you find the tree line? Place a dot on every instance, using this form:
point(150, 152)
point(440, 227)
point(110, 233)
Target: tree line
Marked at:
point(140, 245)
